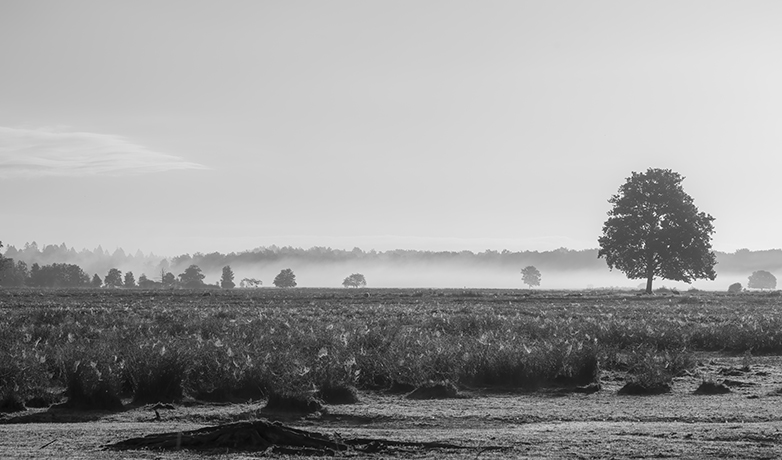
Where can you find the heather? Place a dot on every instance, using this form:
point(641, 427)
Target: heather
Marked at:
point(240, 344)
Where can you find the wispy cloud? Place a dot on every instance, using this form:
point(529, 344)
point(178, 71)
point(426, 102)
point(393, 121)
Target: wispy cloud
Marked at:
point(50, 152)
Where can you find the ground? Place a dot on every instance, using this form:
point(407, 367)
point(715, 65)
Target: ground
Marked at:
point(744, 423)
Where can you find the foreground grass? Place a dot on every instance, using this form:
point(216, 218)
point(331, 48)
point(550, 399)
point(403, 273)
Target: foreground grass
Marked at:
point(243, 344)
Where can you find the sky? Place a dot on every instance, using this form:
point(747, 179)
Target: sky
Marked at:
point(198, 126)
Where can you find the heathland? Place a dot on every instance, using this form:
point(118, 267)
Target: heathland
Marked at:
point(362, 352)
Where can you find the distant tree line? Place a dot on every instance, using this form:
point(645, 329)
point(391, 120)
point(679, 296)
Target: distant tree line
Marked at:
point(100, 260)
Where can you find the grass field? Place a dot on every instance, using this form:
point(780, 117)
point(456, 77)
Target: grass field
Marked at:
point(115, 349)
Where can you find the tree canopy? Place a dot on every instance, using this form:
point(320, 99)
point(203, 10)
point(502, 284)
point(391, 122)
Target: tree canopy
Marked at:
point(285, 279)
point(655, 230)
point(355, 280)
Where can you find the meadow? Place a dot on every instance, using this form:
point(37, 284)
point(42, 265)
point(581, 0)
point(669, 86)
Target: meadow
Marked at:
point(115, 349)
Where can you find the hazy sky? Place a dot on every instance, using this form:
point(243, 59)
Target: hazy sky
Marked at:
point(184, 126)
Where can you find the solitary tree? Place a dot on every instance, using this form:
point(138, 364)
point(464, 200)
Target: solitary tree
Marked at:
point(654, 229)
point(762, 279)
point(96, 281)
point(530, 276)
point(227, 281)
point(285, 279)
point(113, 278)
point(192, 277)
point(355, 280)
point(130, 280)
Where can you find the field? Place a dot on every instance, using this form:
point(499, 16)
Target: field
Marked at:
point(479, 373)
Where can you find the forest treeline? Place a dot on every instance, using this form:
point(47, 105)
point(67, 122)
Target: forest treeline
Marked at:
point(100, 261)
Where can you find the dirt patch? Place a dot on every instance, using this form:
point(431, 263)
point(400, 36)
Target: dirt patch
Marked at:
point(742, 424)
point(434, 390)
point(341, 394)
point(296, 403)
point(639, 389)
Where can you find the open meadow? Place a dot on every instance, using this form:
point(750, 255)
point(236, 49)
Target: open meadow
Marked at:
point(415, 373)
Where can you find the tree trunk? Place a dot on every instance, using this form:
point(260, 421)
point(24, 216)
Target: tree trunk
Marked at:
point(649, 279)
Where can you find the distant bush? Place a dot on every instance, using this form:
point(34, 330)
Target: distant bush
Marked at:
point(734, 288)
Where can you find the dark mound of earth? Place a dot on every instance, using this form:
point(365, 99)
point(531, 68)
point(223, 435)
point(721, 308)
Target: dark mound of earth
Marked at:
point(639, 389)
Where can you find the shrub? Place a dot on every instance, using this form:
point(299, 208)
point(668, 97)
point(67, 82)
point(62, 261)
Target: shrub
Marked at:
point(734, 288)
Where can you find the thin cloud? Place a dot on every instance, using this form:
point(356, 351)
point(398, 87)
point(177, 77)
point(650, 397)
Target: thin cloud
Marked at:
point(47, 152)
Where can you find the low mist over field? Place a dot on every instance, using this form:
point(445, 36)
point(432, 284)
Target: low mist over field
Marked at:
point(326, 267)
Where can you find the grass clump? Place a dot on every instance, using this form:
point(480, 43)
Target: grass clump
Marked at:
point(90, 388)
point(157, 372)
point(652, 371)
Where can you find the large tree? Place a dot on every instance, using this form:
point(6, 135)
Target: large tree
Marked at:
point(655, 230)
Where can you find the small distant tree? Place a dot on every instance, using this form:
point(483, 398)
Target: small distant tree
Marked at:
point(144, 282)
point(655, 230)
point(530, 276)
point(250, 283)
point(130, 280)
point(113, 278)
point(96, 281)
point(3, 260)
point(762, 279)
point(227, 280)
point(356, 280)
point(734, 288)
point(168, 279)
point(285, 279)
point(192, 277)
point(35, 272)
